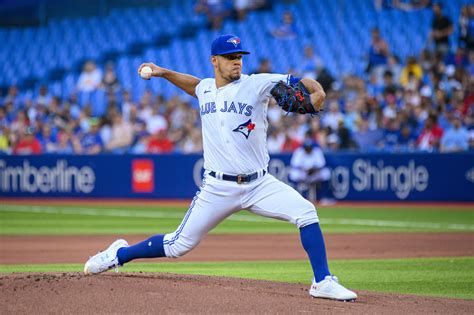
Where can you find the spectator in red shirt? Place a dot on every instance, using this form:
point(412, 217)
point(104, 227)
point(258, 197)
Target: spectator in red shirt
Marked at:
point(290, 144)
point(28, 144)
point(430, 136)
point(159, 143)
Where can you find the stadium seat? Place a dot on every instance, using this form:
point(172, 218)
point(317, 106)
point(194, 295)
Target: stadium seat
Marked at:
point(50, 52)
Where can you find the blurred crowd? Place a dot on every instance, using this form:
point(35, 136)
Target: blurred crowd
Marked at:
point(49, 124)
point(216, 11)
point(424, 103)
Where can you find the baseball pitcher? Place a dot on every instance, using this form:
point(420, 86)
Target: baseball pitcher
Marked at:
point(233, 108)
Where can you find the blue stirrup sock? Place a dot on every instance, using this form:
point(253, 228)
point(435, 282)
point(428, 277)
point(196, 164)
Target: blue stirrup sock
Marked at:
point(313, 243)
point(150, 248)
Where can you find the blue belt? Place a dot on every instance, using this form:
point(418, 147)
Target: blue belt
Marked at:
point(239, 179)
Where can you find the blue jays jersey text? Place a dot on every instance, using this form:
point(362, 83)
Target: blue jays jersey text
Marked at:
point(229, 107)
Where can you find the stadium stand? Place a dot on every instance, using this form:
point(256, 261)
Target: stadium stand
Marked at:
point(371, 104)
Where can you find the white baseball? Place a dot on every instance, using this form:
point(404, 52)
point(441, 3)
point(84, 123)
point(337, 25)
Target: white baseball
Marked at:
point(146, 72)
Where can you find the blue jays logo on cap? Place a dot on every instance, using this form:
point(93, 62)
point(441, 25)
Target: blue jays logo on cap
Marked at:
point(234, 40)
point(245, 128)
point(227, 44)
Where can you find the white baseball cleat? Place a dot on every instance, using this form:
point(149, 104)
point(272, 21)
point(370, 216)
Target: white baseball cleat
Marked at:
point(329, 288)
point(105, 260)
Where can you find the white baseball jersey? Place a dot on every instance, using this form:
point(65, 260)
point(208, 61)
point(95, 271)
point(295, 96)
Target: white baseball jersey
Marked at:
point(301, 162)
point(234, 123)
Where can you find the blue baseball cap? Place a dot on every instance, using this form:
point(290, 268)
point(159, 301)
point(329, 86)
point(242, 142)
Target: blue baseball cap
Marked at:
point(308, 143)
point(227, 44)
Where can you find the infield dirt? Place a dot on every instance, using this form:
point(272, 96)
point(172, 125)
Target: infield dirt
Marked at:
point(76, 249)
point(73, 293)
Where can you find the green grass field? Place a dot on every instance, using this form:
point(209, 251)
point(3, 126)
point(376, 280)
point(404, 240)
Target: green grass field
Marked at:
point(97, 219)
point(448, 277)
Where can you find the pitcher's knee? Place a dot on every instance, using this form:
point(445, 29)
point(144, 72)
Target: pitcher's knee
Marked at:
point(179, 246)
point(306, 216)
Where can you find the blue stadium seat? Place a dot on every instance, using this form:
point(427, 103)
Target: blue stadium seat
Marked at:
point(328, 25)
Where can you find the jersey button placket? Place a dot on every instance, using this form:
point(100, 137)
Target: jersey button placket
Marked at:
point(221, 116)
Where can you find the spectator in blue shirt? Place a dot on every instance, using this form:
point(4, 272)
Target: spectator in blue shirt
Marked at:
point(366, 139)
point(287, 30)
point(47, 139)
point(374, 87)
point(446, 117)
point(455, 139)
point(406, 139)
point(391, 134)
point(43, 96)
point(378, 54)
point(91, 142)
point(13, 97)
point(64, 142)
point(311, 64)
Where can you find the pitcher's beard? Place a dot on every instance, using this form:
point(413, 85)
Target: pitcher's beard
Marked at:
point(232, 77)
point(235, 77)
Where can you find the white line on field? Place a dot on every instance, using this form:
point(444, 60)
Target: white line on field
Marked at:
point(156, 214)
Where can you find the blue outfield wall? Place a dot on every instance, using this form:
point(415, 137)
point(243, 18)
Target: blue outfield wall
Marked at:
point(413, 177)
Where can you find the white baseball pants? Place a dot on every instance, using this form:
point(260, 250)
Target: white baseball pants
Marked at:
point(218, 199)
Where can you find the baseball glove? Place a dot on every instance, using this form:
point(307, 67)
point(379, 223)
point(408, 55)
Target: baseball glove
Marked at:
point(293, 99)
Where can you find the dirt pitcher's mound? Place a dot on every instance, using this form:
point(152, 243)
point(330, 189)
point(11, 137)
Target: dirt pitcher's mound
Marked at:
point(144, 293)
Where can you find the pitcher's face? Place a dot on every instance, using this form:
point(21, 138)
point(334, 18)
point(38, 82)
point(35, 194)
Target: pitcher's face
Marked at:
point(228, 67)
